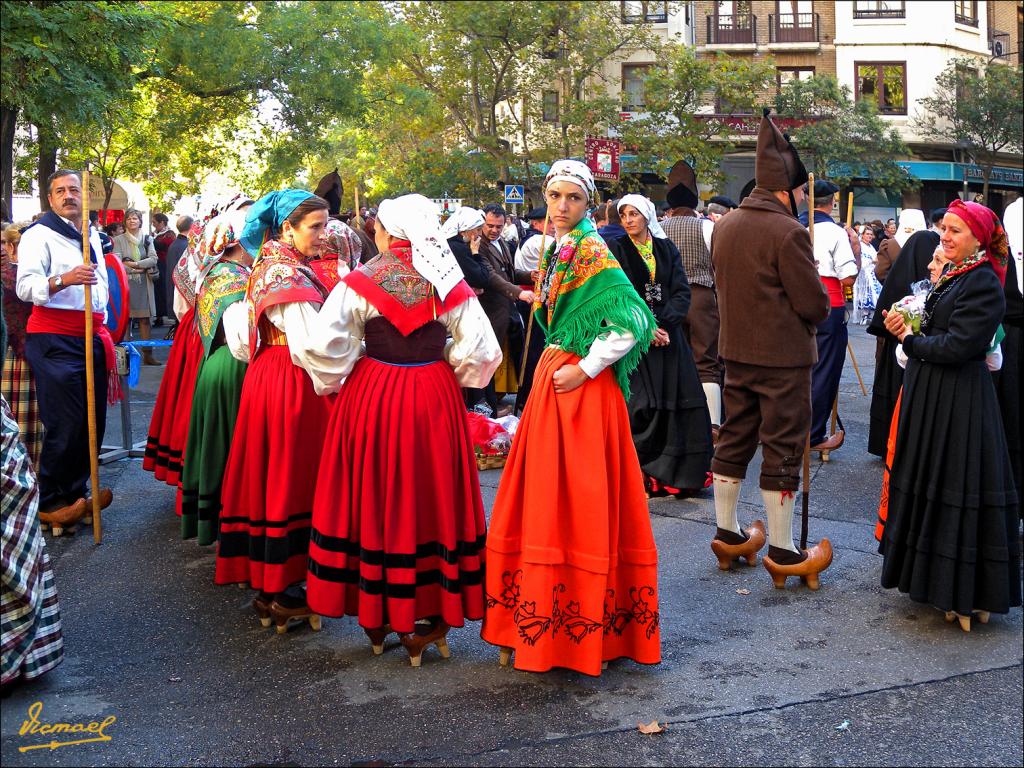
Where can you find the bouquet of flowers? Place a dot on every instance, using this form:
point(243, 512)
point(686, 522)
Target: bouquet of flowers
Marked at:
point(911, 307)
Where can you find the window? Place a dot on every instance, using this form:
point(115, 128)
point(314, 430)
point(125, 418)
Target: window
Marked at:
point(785, 75)
point(878, 9)
point(633, 86)
point(965, 77)
point(885, 83)
point(966, 12)
point(550, 112)
point(636, 11)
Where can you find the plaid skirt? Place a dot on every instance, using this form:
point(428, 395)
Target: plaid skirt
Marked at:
point(29, 611)
point(18, 388)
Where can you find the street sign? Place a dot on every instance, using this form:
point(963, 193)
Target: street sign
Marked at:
point(514, 194)
point(447, 205)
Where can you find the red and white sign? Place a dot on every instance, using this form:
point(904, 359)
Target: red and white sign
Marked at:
point(602, 157)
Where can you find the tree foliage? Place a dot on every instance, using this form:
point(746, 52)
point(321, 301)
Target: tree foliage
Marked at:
point(978, 109)
point(676, 123)
point(840, 138)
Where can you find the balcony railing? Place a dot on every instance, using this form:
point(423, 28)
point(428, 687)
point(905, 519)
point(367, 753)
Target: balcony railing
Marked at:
point(969, 21)
point(880, 11)
point(793, 28)
point(732, 30)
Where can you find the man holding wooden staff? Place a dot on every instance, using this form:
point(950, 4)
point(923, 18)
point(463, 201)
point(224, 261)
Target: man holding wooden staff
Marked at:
point(770, 300)
point(837, 265)
point(51, 276)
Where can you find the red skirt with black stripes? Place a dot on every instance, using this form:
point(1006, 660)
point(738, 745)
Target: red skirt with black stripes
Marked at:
point(271, 473)
point(398, 522)
point(168, 427)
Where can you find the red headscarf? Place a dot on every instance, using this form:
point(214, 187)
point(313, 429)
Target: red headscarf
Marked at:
point(987, 229)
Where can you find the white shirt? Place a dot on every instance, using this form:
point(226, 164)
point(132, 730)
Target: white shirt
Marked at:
point(528, 256)
point(43, 254)
point(329, 343)
point(606, 351)
point(236, 329)
point(707, 226)
point(832, 252)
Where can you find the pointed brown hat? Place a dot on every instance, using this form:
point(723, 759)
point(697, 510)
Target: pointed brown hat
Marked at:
point(331, 189)
point(777, 165)
point(682, 186)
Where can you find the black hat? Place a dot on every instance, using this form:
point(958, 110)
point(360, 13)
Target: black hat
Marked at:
point(822, 188)
point(777, 164)
point(331, 189)
point(937, 214)
point(537, 214)
point(722, 200)
point(682, 186)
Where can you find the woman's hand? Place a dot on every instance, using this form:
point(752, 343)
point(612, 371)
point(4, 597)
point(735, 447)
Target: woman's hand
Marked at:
point(660, 338)
point(528, 296)
point(569, 377)
point(896, 325)
point(474, 245)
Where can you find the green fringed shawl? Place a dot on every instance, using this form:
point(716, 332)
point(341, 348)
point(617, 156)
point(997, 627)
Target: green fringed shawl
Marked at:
point(590, 295)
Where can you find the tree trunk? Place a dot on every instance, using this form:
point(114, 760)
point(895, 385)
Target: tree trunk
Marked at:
point(8, 122)
point(47, 163)
point(987, 174)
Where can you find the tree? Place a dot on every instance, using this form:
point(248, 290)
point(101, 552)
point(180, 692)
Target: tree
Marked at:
point(677, 95)
point(978, 109)
point(840, 138)
point(64, 62)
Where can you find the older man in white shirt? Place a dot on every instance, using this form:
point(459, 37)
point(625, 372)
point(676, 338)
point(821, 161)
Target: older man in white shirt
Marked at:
point(51, 276)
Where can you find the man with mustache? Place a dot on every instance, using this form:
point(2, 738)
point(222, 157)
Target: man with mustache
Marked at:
point(51, 276)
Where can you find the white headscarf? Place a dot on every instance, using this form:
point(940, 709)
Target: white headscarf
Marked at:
point(646, 208)
point(464, 219)
point(415, 218)
point(1013, 223)
point(911, 221)
point(574, 172)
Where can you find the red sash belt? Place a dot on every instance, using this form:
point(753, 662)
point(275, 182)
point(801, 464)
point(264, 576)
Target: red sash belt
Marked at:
point(835, 291)
point(71, 322)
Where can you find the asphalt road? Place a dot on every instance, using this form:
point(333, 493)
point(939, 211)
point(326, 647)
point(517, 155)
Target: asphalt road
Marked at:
point(849, 675)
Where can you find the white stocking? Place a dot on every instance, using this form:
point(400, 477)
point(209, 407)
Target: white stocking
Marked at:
point(727, 494)
point(779, 505)
point(713, 394)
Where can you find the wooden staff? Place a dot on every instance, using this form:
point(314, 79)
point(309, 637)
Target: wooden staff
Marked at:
point(90, 374)
point(533, 307)
point(805, 501)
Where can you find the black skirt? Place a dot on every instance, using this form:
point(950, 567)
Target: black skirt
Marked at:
point(1007, 382)
point(668, 416)
point(951, 536)
point(884, 392)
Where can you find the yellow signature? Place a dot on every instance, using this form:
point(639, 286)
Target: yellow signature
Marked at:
point(34, 726)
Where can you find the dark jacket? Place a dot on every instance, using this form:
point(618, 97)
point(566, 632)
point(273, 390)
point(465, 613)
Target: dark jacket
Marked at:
point(669, 273)
point(476, 273)
point(502, 285)
point(769, 294)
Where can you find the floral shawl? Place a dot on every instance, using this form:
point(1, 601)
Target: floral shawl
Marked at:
point(585, 294)
point(393, 286)
point(280, 275)
point(224, 283)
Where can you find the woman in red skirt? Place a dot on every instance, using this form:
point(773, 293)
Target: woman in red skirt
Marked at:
point(267, 493)
point(572, 568)
point(398, 522)
point(168, 427)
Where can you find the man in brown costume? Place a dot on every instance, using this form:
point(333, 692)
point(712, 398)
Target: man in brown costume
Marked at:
point(692, 236)
point(770, 298)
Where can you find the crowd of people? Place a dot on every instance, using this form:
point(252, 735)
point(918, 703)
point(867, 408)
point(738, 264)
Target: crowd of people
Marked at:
point(314, 411)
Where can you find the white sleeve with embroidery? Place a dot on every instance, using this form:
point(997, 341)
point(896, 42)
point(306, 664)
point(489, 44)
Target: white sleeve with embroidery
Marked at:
point(236, 329)
point(607, 351)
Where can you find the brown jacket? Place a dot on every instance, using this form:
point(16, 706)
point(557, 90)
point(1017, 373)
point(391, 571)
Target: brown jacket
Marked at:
point(888, 251)
point(769, 294)
point(503, 283)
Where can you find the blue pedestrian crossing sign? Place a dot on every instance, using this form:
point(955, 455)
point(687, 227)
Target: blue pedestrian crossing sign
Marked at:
point(514, 194)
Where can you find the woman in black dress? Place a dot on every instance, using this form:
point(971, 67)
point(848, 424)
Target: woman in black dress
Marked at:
point(951, 536)
point(668, 412)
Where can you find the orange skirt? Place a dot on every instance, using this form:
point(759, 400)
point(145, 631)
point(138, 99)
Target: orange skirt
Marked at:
point(572, 568)
point(890, 454)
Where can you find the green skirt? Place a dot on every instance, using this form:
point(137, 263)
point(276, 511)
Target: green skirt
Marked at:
point(211, 427)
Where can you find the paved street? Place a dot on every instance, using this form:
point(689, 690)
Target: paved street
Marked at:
point(849, 675)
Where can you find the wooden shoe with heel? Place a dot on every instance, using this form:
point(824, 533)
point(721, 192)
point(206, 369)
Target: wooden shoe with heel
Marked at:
point(819, 557)
point(415, 643)
point(729, 553)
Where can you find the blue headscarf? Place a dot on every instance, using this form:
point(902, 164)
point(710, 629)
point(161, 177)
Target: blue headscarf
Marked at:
point(267, 215)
